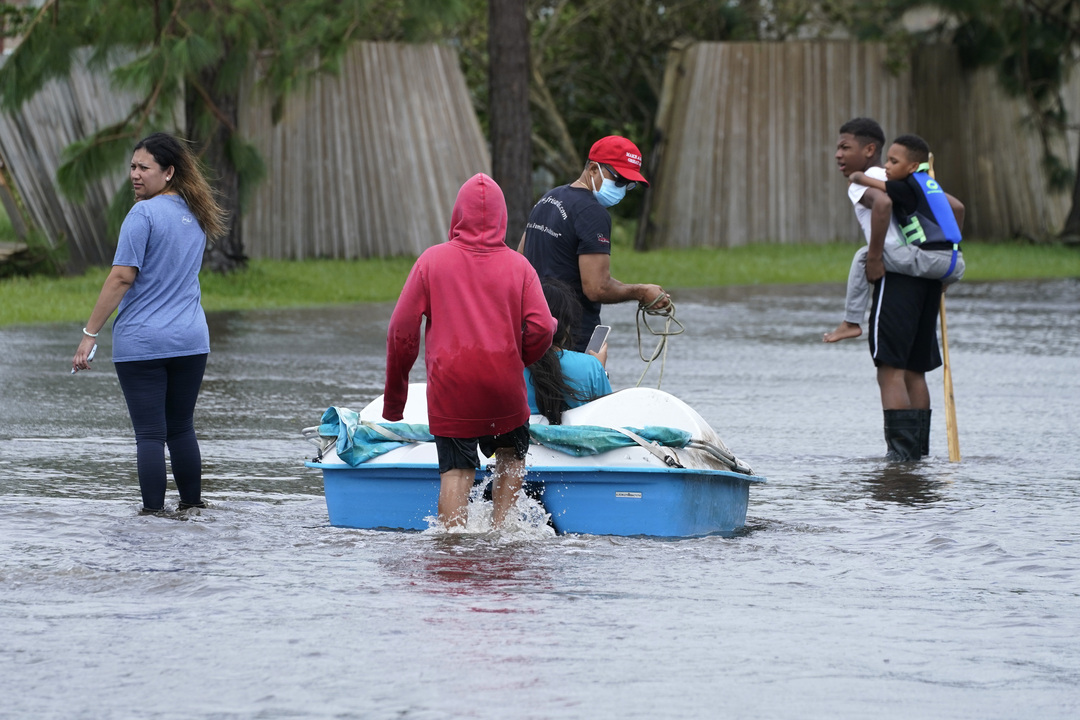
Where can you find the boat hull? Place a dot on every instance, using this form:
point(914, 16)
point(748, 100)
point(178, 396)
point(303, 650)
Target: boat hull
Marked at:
point(663, 502)
point(666, 503)
point(636, 489)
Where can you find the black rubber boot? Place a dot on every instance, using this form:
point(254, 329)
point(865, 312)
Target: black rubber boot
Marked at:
point(924, 431)
point(187, 506)
point(903, 435)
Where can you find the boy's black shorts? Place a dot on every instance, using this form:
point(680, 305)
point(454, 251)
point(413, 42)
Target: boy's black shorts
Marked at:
point(460, 453)
point(903, 323)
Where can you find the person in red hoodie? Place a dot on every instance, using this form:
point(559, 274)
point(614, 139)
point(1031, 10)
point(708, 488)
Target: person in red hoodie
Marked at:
point(487, 320)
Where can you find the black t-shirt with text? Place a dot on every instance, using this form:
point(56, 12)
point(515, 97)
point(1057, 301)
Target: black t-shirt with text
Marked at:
point(565, 223)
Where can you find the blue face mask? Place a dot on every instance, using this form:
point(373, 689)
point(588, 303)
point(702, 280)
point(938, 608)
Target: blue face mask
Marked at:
point(608, 195)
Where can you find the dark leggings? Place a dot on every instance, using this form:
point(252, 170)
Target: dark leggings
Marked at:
point(161, 397)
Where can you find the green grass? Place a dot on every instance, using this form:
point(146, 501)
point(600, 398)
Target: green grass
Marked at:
point(307, 283)
point(7, 232)
point(280, 284)
point(786, 264)
point(265, 284)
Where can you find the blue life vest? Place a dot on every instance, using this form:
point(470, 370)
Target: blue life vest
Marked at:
point(936, 223)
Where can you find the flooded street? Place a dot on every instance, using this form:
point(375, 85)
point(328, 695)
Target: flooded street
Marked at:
point(858, 590)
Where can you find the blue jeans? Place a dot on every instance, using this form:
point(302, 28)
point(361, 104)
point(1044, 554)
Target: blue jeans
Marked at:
point(161, 397)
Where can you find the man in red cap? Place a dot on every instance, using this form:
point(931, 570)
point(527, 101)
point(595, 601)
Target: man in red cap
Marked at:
point(568, 235)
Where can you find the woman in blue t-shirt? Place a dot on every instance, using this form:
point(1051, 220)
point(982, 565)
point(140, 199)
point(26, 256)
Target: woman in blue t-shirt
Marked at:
point(564, 379)
point(160, 338)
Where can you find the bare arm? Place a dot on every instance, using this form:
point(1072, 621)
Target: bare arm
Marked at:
point(521, 244)
point(862, 178)
point(880, 215)
point(599, 286)
point(958, 210)
point(113, 290)
point(403, 341)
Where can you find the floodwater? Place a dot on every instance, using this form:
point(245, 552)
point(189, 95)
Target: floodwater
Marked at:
point(858, 590)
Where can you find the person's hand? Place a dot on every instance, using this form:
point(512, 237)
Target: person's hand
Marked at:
point(80, 362)
point(654, 297)
point(601, 356)
point(875, 269)
point(856, 177)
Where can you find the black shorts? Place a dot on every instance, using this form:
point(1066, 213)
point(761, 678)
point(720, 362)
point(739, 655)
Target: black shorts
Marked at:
point(903, 323)
point(460, 453)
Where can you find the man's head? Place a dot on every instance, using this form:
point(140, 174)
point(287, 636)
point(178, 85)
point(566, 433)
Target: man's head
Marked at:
point(905, 155)
point(618, 154)
point(859, 145)
point(614, 167)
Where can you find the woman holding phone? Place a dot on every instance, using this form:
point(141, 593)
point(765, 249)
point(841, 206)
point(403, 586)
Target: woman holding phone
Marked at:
point(562, 378)
point(160, 339)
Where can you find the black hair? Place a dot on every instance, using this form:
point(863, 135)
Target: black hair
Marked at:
point(549, 384)
point(866, 131)
point(917, 149)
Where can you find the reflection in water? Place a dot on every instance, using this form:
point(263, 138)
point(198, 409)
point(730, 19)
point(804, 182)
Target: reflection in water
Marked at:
point(904, 483)
point(458, 566)
point(470, 565)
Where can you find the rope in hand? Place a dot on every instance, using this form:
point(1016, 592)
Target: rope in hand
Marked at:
point(644, 311)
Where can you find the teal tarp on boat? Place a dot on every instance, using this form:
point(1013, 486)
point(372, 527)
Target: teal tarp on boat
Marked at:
point(580, 440)
point(359, 441)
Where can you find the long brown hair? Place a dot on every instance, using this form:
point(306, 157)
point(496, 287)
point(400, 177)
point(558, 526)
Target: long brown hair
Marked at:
point(188, 180)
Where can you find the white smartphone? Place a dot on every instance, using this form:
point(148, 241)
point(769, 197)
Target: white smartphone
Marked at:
point(89, 358)
point(599, 337)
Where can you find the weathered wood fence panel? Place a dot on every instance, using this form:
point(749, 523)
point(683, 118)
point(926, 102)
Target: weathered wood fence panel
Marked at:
point(984, 151)
point(31, 143)
point(748, 130)
point(748, 137)
point(366, 163)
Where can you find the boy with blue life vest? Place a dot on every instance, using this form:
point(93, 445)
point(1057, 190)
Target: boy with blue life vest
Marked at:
point(903, 315)
point(928, 220)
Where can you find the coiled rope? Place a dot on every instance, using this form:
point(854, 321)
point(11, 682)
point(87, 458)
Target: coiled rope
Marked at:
point(644, 312)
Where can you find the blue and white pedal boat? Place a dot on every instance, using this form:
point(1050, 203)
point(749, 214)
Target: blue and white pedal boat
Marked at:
point(636, 462)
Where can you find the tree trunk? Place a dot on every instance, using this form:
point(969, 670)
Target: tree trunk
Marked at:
point(1071, 233)
point(226, 254)
point(508, 110)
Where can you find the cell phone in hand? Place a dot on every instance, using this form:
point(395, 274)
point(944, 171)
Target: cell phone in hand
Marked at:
point(599, 337)
point(89, 358)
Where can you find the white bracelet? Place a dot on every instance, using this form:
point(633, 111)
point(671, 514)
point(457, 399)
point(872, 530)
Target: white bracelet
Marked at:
point(87, 333)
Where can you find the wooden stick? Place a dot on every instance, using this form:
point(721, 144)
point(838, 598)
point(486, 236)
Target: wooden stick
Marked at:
point(950, 403)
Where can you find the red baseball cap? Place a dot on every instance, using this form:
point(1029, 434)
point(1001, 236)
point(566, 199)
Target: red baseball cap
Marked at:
point(621, 154)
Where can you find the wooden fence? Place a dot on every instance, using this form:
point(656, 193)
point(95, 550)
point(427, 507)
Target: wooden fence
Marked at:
point(31, 144)
point(747, 133)
point(366, 163)
point(985, 152)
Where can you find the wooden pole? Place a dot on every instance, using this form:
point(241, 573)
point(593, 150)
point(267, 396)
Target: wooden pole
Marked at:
point(950, 404)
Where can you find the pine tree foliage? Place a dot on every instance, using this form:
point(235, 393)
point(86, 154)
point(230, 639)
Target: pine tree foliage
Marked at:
point(189, 59)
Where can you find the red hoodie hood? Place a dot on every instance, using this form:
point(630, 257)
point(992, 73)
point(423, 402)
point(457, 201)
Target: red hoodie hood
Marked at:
point(479, 217)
